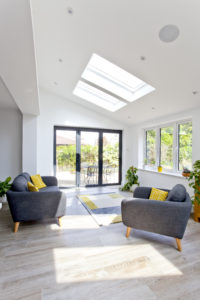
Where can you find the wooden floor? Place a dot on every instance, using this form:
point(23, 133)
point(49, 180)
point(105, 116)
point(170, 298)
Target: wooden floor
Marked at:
point(82, 261)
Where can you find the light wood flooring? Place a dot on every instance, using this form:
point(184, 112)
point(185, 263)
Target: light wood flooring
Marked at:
point(82, 261)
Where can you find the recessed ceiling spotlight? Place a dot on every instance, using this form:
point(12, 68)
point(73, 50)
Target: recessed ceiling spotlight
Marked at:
point(129, 117)
point(169, 33)
point(60, 60)
point(55, 82)
point(153, 108)
point(70, 10)
point(142, 57)
point(195, 92)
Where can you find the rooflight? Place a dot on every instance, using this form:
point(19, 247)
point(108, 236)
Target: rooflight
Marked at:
point(96, 96)
point(114, 79)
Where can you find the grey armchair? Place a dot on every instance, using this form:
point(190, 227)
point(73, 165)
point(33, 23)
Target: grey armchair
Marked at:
point(168, 217)
point(49, 202)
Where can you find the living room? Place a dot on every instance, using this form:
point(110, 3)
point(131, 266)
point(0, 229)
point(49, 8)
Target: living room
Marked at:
point(107, 239)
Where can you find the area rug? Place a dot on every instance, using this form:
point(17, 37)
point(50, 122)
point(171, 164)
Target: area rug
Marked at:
point(105, 208)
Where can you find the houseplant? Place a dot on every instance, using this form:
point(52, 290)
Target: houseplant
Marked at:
point(4, 187)
point(186, 172)
point(194, 182)
point(132, 180)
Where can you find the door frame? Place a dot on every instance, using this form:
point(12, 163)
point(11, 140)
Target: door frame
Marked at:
point(78, 155)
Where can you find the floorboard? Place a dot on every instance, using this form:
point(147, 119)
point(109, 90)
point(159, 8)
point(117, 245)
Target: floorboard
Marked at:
point(82, 261)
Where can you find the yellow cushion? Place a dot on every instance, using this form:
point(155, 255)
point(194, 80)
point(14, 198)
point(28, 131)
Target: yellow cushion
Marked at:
point(37, 181)
point(158, 195)
point(31, 187)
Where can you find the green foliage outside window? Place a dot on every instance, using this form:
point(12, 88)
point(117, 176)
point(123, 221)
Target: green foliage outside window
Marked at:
point(185, 145)
point(66, 155)
point(150, 148)
point(167, 146)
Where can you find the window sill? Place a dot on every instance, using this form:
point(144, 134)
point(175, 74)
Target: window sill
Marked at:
point(162, 173)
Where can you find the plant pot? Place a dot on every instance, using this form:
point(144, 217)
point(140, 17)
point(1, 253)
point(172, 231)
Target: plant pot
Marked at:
point(185, 174)
point(196, 211)
point(133, 187)
point(3, 199)
point(159, 169)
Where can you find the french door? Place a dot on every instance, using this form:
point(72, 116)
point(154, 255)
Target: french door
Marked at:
point(87, 157)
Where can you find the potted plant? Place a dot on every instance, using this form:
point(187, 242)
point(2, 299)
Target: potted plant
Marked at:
point(159, 168)
point(132, 180)
point(186, 172)
point(194, 182)
point(4, 187)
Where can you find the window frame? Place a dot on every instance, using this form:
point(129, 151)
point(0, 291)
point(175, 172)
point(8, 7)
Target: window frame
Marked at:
point(157, 128)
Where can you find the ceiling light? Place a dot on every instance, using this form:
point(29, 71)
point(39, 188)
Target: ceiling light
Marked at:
point(55, 83)
point(195, 92)
point(70, 10)
point(60, 60)
point(97, 97)
point(142, 57)
point(112, 78)
point(169, 33)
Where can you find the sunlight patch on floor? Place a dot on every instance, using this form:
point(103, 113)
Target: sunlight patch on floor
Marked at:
point(111, 262)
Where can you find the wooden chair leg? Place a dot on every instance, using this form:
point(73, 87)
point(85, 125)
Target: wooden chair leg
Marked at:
point(128, 230)
point(178, 242)
point(16, 226)
point(59, 221)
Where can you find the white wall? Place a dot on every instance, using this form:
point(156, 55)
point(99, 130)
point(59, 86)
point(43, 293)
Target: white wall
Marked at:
point(29, 144)
point(55, 110)
point(10, 143)
point(137, 136)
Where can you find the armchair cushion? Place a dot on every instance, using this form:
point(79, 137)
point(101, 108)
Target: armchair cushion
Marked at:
point(177, 194)
point(50, 189)
point(32, 187)
point(37, 181)
point(157, 194)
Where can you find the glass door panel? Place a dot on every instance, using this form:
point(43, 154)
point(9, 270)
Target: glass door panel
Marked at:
point(89, 158)
point(66, 157)
point(111, 151)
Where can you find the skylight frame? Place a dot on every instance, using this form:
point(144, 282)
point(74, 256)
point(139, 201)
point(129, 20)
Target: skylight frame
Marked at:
point(114, 79)
point(97, 97)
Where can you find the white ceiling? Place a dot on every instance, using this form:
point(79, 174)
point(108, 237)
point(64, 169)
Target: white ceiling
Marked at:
point(17, 57)
point(6, 100)
point(121, 31)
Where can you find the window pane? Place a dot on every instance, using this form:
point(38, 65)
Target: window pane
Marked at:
point(185, 145)
point(150, 147)
point(66, 157)
point(166, 145)
point(89, 158)
point(110, 157)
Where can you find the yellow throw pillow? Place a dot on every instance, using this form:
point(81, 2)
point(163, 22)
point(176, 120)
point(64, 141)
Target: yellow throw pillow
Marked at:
point(31, 187)
point(158, 195)
point(37, 181)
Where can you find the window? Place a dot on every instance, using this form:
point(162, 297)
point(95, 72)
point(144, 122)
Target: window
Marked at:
point(185, 145)
point(108, 86)
point(151, 147)
point(95, 96)
point(169, 146)
point(114, 79)
point(166, 147)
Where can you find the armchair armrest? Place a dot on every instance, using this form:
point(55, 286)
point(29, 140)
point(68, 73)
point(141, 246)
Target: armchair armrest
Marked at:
point(163, 217)
point(50, 180)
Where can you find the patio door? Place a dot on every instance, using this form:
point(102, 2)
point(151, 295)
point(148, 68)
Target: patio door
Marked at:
point(87, 157)
point(65, 157)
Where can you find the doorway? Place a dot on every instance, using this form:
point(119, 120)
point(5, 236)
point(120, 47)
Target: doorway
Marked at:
point(87, 157)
